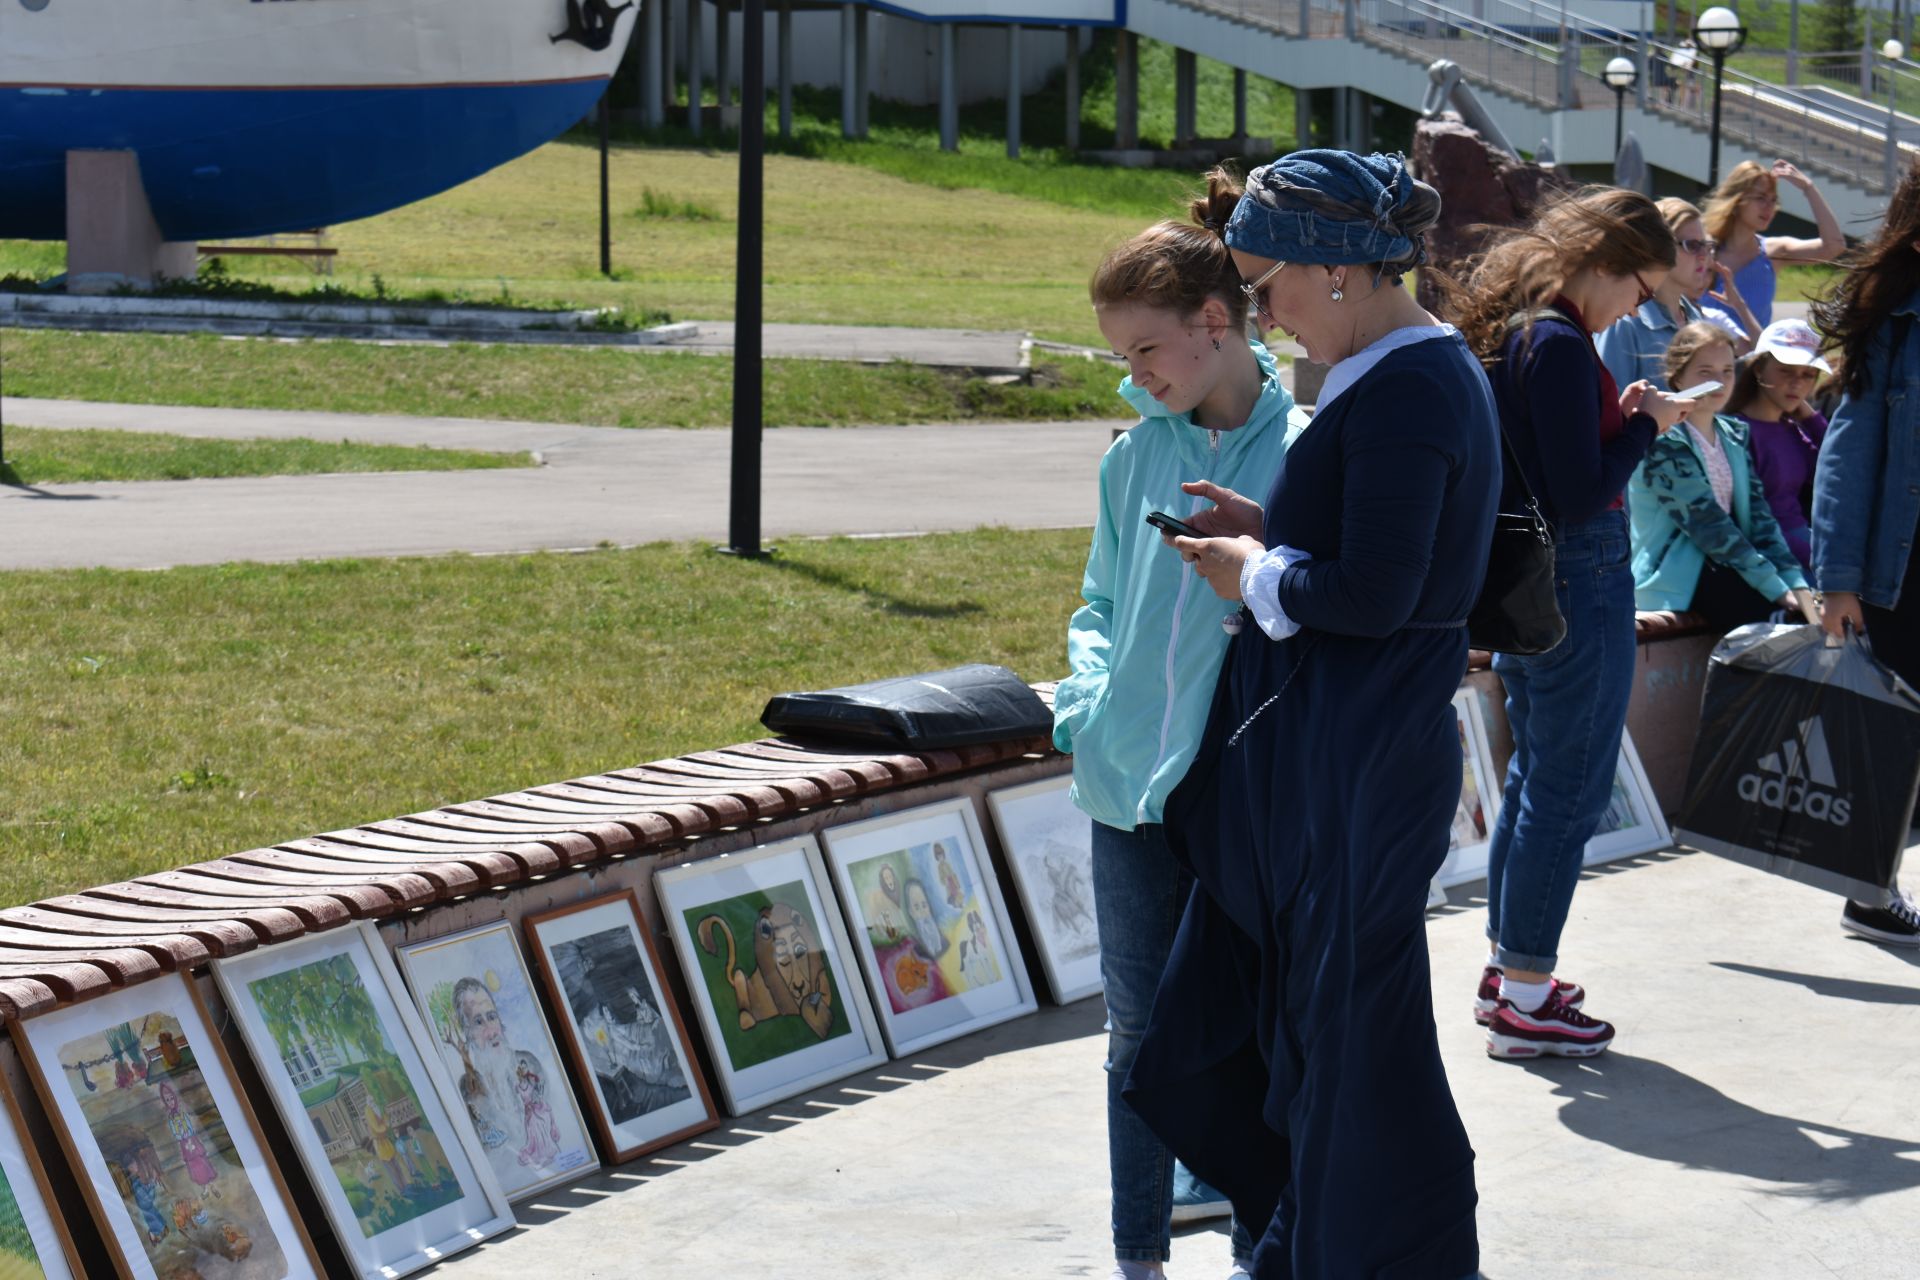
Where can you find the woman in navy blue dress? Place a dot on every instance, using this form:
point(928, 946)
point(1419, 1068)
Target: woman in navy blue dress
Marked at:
point(1291, 1059)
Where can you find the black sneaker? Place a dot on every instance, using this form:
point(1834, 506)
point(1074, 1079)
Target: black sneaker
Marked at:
point(1897, 924)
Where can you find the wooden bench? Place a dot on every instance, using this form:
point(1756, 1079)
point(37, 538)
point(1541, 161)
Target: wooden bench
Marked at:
point(318, 255)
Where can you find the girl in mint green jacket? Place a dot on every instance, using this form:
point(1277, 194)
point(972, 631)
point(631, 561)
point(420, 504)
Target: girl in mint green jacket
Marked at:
point(1146, 648)
point(1704, 537)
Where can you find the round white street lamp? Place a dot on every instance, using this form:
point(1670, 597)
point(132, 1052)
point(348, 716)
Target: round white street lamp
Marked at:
point(1893, 51)
point(1620, 74)
point(1720, 32)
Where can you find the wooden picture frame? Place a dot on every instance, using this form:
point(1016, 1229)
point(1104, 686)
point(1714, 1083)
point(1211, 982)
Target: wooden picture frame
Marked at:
point(163, 1100)
point(1049, 848)
point(1479, 805)
point(25, 1176)
point(626, 1040)
point(478, 1000)
point(770, 1039)
point(931, 930)
point(370, 1109)
point(1633, 823)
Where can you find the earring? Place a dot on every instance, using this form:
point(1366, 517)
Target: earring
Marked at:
point(1216, 344)
point(1337, 295)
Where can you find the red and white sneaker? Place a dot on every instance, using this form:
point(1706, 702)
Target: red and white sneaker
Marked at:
point(1555, 1028)
point(1488, 996)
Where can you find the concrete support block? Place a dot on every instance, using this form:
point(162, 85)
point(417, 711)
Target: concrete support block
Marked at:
point(1185, 97)
point(1126, 91)
point(1073, 89)
point(112, 238)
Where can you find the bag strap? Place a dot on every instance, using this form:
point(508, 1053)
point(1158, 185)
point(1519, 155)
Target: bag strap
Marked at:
point(1510, 461)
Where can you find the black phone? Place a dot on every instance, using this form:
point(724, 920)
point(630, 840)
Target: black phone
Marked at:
point(1167, 524)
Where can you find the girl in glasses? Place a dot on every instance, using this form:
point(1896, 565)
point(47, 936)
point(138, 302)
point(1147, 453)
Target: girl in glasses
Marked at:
point(1145, 651)
point(1530, 309)
point(1738, 215)
point(1634, 346)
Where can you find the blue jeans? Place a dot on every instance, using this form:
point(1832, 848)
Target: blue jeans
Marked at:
point(1139, 895)
point(1567, 709)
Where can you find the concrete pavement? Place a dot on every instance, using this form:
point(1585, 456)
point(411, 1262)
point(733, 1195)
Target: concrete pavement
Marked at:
point(1758, 1119)
point(598, 484)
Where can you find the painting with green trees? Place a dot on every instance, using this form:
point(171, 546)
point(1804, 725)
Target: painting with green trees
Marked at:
point(391, 1165)
point(18, 1258)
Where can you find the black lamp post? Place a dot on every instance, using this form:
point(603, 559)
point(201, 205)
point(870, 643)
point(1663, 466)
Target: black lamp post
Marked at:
point(1620, 75)
point(1720, 33)
point(743, 518)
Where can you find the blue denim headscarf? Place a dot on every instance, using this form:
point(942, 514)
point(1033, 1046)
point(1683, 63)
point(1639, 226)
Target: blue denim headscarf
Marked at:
point(1330, 208)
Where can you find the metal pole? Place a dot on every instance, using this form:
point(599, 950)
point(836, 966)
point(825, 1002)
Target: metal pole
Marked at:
point(1713, 153)
point(1073, 89)
point(694, 66)
point(849, 81)
point(1619, 119)
point(1013, 91)
point(786, 68)
point(650, 114)
point(863, 95)
point(743, 521)
point(949, 93)
point(1239, 107)
point(723, 56)
point(1893, 126)
point(606, 199)
point(1641, 56)
point(1793, 41)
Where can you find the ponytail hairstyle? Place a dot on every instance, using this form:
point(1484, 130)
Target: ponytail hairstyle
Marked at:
point(1880, 275)
point(1177, 266)
point(1690, 342)
point(1609, 228)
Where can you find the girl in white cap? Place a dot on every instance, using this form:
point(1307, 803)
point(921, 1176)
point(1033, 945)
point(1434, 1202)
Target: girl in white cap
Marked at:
point(1773, 396)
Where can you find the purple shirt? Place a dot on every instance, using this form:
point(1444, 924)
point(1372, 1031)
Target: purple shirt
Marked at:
point(1784, 454)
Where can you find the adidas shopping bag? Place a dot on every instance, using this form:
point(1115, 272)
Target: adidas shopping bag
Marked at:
point(1807, 762)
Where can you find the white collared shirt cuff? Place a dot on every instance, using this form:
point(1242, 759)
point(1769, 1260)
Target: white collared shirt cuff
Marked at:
point(1260, 589)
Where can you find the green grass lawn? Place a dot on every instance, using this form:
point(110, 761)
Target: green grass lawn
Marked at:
point(43, 456)
point(152, 719)
point(591, 386)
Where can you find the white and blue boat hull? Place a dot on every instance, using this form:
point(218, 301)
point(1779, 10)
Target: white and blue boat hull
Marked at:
point(257, 116)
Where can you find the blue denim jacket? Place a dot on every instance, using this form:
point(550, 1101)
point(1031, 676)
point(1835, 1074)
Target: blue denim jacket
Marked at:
point(1866, 490)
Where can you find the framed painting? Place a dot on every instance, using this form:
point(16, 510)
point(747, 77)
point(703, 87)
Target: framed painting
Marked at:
point(167, 1152)
point(476, 996)
point(1633, 822)
point(624, 1033)
point(34, 1241)
point(771, 971)
point(1049, 846)
point(359, 1084)
point(929, 924)
point(1479, 797)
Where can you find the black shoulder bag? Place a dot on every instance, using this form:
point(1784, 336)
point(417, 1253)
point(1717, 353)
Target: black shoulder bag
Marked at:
point(1518, 612)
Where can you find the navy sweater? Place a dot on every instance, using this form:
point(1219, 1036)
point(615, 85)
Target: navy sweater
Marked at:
point(1549, 387)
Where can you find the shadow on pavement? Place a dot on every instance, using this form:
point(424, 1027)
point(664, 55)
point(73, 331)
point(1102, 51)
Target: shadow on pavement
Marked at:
point(1646, 1108)
point(1051, 1025)
point(1837, 988)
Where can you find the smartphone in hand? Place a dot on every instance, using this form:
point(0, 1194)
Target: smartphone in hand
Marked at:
point(1695, 391)
point(1167, 524)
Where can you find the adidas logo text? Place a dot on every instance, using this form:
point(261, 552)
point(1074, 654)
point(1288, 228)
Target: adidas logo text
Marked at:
point(1799, 778)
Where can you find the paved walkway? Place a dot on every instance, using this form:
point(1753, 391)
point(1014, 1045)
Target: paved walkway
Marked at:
point(1759, 1119)
point(978, 350)
point(598, 484)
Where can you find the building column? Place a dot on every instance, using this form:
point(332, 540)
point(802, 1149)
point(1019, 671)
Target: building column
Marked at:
point(669, 64)
point(723, 54)
point(694, 67)
point(1126, 91)
point(652, 114)
point(1185, 97)
point(785, 72)
point(849, 81)
point(949, 93)
point(1013, 92)
point(1302, 119)
point(1240, 105)
point(1073, 88)
point(862, 69)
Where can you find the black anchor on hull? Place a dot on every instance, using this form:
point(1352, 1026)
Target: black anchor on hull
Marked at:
point(590, 23)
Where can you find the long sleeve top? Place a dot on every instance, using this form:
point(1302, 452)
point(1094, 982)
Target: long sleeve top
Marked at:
point(1560, 409)
point(1784, 457)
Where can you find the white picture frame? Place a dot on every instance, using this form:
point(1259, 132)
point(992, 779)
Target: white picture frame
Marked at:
point(624, 1032)
point(49, 1245)
point(782, 1051)
point(1633, 823)
point(480, 1007)
point(1479, 806)
point(167, 1152)
point(1049, 847)
point(377, 1122)
point(942, 961)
